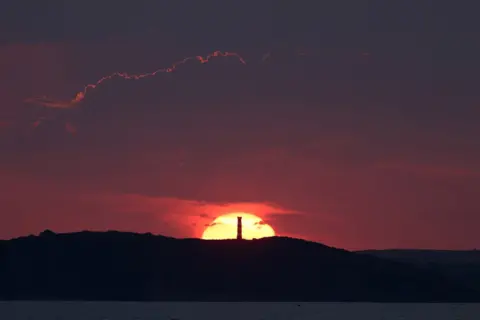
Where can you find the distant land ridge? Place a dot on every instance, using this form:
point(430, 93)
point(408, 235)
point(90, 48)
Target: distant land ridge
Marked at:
point(122, 266)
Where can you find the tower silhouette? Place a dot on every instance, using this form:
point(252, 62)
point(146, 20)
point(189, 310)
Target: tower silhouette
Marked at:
point(239, 228)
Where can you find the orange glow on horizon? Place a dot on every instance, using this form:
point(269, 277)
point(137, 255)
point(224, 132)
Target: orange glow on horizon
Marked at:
point(225, 227)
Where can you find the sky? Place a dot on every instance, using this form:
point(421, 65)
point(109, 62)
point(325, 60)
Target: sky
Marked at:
point(354, 124)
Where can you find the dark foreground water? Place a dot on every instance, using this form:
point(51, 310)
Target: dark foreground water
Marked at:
point(234, 311)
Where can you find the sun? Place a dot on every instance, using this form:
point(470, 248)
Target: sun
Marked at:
point(225, 227)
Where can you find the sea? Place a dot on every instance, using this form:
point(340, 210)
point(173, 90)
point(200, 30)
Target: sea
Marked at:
point(234, 311)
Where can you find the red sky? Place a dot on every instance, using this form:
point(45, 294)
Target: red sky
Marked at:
point(352, 150)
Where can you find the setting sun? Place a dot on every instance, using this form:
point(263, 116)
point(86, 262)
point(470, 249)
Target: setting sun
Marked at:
point(225, 227)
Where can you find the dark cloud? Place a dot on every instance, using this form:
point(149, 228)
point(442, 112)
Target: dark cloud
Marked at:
point(30, 21)
point(213, 224)
point(234, 22)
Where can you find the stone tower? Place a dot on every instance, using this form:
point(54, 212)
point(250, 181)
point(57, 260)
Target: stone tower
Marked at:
point(239, 228)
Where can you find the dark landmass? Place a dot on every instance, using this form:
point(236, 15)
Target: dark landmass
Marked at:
point(428, 257)
point(142, 267)
point(461, 266)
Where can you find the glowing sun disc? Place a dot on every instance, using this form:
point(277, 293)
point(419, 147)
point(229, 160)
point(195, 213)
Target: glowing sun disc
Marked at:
point(225, 227)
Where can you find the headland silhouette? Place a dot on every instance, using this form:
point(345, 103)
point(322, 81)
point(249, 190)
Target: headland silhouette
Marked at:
point(123, 266)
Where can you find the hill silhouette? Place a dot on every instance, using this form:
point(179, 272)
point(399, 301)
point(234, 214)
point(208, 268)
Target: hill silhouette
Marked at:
point(128, 266)
point(462, 266)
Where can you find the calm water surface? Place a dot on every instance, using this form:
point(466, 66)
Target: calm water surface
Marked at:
point(233, 311)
